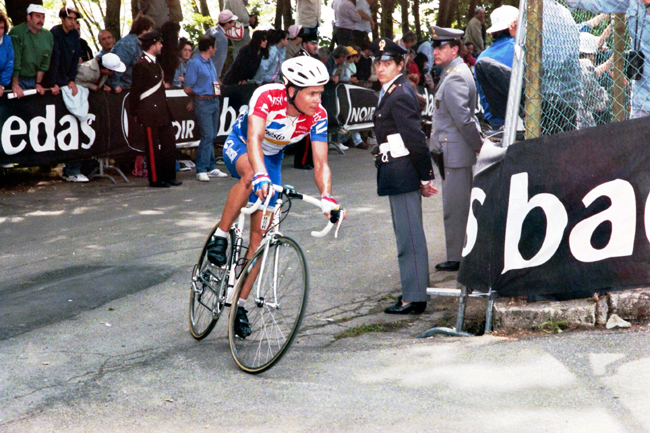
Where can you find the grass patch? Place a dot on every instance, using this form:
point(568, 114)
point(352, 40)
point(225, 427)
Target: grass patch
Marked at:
point(365, 329)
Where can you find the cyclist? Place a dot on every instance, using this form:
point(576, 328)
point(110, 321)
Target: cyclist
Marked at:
point(277, 116)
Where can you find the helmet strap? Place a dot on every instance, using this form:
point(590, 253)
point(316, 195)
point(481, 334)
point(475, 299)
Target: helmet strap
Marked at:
point(291, 100)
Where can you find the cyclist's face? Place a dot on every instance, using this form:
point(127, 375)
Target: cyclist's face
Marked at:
point(308, 100)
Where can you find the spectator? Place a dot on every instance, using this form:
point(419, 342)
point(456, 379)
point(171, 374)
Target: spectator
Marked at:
point(561, 86)
point(365, 67)
point(129, 51)
point(346, 17)
point(412, 71)
point(494, 65)
point(407, 41)
point(425, 47)
point(295, 40)
point(420, 61)
point(65, 53)
point(64, 63)
point(94, 73)
point(161, 11)
point(269, 70)
point(365, 25)
point(334, 63)
point(32, 46)
point(86, 53)
point(106, 41)
point(185, 48)
point(474, 32)
point(238, 8)
point(169, 56)
point(248, 61)
point(636, 23)
point(226, 21)
point(349, 72)
point(201, 85)
point(466, 55)
point(309, 45)
point(594, 97)
point(323, 54)
point(148, 106)
point(308, 15)
point(6, 54)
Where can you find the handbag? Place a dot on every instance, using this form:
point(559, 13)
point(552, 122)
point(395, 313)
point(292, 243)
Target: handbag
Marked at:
point(236, 33)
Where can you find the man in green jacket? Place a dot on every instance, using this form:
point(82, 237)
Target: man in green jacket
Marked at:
point(32, 52)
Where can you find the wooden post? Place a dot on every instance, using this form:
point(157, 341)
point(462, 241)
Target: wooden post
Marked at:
point(619, 92)
point(534, 40)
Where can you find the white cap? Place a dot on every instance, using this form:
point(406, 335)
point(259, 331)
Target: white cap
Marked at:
point(35, 8)
point(112, 61)
point(502, 17)
point(588, 43)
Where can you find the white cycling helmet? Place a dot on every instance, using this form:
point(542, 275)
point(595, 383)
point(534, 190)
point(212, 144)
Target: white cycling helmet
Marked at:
point(304, 71)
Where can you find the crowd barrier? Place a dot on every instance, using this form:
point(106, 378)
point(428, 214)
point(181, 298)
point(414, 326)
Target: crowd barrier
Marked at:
point(567, 213)
point(39, 130)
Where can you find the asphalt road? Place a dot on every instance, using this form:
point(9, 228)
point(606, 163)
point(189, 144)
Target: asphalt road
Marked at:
point(94, 334)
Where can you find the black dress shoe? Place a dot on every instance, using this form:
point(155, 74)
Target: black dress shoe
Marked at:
point(304, 167)
point(448, 266)
point(175, 182)
point(410, 308)
point(159, 184)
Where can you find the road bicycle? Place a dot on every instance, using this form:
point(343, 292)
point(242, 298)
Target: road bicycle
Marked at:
point(276, 271)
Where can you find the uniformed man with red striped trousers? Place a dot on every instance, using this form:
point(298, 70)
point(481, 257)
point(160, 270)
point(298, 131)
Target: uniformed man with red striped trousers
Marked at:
point(148, 105)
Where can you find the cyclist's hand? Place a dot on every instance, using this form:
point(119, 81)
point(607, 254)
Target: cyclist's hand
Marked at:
point(329, 204)
point(262, 185)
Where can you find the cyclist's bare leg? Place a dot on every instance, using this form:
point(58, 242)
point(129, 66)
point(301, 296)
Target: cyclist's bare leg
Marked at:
point(239, 193)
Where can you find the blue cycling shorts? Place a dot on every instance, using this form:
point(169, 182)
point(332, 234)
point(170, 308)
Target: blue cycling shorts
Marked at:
point(234, 148)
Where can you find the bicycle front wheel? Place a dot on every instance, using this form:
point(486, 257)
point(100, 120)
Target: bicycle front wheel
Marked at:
point(278, 278)
point(208, 291)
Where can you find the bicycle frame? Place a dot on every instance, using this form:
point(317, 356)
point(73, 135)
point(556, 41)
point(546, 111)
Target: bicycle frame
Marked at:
point(268, 236)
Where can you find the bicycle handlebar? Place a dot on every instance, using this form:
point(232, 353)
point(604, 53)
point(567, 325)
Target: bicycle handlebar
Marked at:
point(291, 193)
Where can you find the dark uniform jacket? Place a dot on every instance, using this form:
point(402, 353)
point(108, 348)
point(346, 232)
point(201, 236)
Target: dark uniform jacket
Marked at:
point(151, 110)
point(398, 112)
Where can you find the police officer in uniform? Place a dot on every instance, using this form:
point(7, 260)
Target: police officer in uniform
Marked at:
point(148, 105)
point(404, 172)
point(458, 133)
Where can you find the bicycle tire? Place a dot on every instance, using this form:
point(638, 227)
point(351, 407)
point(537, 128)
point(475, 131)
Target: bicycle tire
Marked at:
point(208, 290)
point(274, 320)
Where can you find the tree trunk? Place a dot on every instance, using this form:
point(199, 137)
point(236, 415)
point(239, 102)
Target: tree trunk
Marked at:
point(442, 13)
point(17, 10)
point(404, 8)
point(472, 8)
point(387, 8)
point(374, 13)
point(112, 20)
point(416, 18)
point(135, 9)
point(205, 12)
point(450, 11)
point(287, 13)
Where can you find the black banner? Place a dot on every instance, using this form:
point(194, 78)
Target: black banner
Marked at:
point(39, 130)
point(565, 213)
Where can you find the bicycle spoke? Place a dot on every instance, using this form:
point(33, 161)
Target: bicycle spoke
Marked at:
point(277, 304)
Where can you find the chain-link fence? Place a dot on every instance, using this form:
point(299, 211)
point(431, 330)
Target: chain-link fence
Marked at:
point(579, 68)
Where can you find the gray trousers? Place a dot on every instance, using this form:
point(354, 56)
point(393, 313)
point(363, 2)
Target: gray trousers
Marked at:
point(412, 254)
point(456, 194)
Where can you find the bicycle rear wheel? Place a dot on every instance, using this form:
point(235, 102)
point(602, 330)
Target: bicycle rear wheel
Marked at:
point(276, 305)
point(208, 291)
